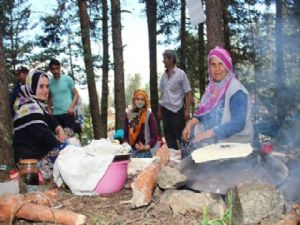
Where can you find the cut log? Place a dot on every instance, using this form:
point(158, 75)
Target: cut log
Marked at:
point(22, 206)
point(292, 218)
point(164, 155)
point(46, 214)
point(9, 204)
point(46, 198)
point(145, 183)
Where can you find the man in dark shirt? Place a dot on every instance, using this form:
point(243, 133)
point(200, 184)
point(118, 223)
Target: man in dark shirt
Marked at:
point(21, 74)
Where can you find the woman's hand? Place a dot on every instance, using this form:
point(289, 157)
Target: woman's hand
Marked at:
point(186, 133)
point(60, 134)
point(140, 147)
point(204, 135)
point(188, 128)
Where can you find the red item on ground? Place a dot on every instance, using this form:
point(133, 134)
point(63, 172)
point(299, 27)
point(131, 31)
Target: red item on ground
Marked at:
point(267, 148)
point(14, 174)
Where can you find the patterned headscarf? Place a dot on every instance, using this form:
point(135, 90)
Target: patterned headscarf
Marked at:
point(29, 109)
point(215, 92)
point(137, 117)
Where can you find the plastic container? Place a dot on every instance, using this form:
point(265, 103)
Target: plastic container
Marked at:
point(114, 178)
point(29, 171)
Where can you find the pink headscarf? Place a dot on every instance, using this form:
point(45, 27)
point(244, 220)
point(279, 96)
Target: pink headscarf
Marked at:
point(214, 92)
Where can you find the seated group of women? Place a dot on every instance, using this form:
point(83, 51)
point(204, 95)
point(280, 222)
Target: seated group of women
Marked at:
point(223, 115)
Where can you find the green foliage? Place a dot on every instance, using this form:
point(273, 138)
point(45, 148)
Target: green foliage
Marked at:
point(133, 83)
point(87, 131)
point(16, 15)
point(227, 218)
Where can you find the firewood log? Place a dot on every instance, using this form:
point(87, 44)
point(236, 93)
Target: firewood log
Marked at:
point(145, 183)
point(35, 212)
point(21, 206)
point(42, 198)
point(164, 155)
point(292, 218)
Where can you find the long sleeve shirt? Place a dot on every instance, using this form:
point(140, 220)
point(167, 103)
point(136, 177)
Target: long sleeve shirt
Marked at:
point(238, 113)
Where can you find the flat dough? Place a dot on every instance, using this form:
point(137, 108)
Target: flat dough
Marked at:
point(221, 151)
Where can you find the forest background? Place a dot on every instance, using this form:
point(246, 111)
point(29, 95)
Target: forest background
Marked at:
point(86, 36)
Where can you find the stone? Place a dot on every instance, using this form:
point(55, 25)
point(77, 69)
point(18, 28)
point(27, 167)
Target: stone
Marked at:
point(170, 178)
point(183, 201)
point(256, 203)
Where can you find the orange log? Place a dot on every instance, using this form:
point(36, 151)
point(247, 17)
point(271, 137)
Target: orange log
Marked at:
point(164, 155)
point(21, 206)
point(42, 198)
point(9, 204)
point(145, 183)
point(292, 218)
point(35, 212)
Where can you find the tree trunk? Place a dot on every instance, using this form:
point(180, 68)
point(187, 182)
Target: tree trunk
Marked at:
point(183, 37)
point(202, 74)
point(215, 34)
point(6, 150)
point(151, 6)
point(280, 86)
point(70, 57)
point(105, 68)
point(88, 60)
point(12, 38)
point(226, 24)
point(118, 63)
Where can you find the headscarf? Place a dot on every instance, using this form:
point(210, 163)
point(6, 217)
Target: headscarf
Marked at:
point(216, 91)
point(29, 109)
point(137, 117)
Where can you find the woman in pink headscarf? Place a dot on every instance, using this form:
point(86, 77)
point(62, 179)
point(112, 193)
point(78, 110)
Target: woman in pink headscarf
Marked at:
point(224, 111)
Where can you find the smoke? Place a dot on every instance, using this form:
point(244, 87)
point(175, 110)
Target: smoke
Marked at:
point(276, 105)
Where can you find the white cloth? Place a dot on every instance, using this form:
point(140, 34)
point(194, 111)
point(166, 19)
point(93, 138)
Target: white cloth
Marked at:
point(195, 11)
point(81, 168)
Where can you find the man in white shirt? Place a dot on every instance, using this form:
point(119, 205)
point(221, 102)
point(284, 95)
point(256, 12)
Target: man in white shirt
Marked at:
point(175, 100)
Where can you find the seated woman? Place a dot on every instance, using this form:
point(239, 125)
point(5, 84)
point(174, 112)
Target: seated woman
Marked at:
point(34, 128)
point(140, 129)
point(224, 110)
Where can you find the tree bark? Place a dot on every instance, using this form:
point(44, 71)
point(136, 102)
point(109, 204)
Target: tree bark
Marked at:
point(183, 36)
point(226, 24)
point(6, 150)
point(70, 57)
point(151, 6)
point(118, 63)
point(215, 34)
point(105, 66)
point(280, 76)
point(88, 60)
point(201, 49)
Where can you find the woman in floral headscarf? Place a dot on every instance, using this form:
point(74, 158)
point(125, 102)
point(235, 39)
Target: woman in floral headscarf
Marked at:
point(34, 129)
point(140, 127)
point(224, 110)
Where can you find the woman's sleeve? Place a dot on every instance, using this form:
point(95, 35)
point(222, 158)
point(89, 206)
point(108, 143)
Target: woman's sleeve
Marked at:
point(153, 130)
point(238, 111)
point(126, 135)
point(42, 134)
point(52, 122)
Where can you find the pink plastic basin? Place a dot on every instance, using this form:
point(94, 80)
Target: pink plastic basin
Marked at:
point(114, 178)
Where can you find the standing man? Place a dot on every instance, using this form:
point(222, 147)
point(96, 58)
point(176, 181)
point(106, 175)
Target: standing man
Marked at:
point(63, 96)
point(175, 100)
point(21, 74)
